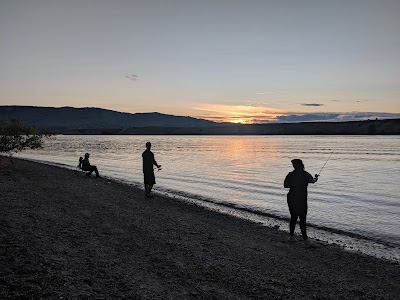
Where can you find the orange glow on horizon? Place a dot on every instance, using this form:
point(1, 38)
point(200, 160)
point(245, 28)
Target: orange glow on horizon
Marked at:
point(241, 121)
point(238, 114)
point(221, 113)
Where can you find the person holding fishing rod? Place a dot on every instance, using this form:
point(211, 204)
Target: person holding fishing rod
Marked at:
point(297, 182)
point(148, 171)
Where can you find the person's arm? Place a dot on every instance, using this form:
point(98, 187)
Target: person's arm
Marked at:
point(288, 182)
point(85, 164)
point(312, 179)
point(155, 163)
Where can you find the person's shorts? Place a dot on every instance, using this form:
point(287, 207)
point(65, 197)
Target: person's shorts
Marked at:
point(149, 178)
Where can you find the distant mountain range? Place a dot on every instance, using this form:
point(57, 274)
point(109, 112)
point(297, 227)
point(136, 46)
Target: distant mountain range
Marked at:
point(65, 119)
point(69, 120)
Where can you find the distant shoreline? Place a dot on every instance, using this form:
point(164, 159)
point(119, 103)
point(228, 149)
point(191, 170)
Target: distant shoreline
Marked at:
point(65, 235)
point(369, 127)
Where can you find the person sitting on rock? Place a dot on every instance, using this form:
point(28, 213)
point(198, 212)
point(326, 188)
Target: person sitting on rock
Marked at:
point(85, 165)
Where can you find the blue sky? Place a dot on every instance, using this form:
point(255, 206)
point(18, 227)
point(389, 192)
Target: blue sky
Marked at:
point(242, 61)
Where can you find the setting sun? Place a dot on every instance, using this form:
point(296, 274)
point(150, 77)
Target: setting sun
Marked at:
point(241, 121)
point(238, 114)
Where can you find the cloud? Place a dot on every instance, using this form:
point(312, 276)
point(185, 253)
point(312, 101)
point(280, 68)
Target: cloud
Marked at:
point(312, 104)
point(132, 77)
point(334, 117)
point(263, 93)
point(261, 114)
point(293, 118)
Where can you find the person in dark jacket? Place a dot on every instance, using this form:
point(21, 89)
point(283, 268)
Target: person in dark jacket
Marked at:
point(86, 166)
point(148, 171)
point(297, 182)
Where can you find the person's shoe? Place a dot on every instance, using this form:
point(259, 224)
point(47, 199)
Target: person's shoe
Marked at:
point(292, 238)
point(98, 176)
point(87, 175)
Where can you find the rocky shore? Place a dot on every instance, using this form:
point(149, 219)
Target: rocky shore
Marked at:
point(66, 236)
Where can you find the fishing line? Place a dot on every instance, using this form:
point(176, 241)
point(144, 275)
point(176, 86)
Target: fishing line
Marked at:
point(317, 175)
point(170, 161)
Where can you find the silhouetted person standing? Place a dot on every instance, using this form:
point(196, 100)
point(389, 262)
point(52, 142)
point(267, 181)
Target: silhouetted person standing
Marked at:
point(86, 166)
point(148, 170)
point(297, 182)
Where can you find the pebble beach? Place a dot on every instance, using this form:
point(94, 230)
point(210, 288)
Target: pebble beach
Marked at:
point(66, 236)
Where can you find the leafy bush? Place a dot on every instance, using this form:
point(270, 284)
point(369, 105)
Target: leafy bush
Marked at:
point(16, 136)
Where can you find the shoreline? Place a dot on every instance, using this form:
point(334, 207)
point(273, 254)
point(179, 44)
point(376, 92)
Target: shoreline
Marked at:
point(65, 235)
point(353, 242)
point(348, 241)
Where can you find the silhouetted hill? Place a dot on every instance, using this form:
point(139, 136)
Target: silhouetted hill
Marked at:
point(69, 120)
point(389, 127)
point(91, 120)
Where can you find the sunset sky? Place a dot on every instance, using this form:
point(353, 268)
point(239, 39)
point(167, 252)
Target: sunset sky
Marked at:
point(222, 60)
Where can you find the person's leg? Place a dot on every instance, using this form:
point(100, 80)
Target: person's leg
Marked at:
point(91, 169)
point(293, 220)
point(96, 171)
point(149, 189)
point(303, 226)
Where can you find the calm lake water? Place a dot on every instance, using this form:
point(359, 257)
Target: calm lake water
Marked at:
point(358, 191)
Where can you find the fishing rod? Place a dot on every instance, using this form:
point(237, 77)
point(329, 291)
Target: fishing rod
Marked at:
point(317, 175)
point(170, 161)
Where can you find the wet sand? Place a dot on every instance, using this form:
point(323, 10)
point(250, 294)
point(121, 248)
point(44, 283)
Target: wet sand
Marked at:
point(66, 236)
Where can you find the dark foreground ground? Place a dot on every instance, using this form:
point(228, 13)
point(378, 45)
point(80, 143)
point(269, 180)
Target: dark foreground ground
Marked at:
point(65, 236)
